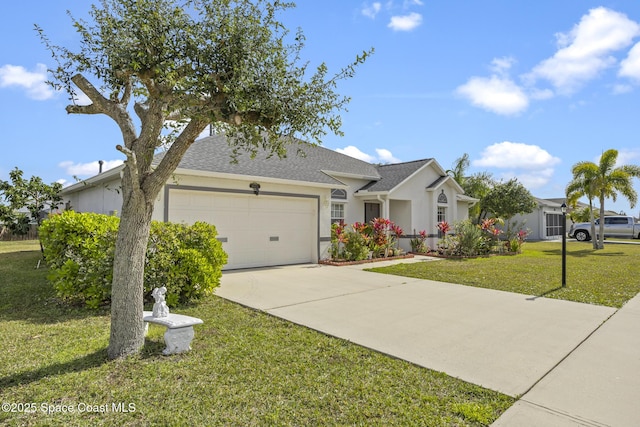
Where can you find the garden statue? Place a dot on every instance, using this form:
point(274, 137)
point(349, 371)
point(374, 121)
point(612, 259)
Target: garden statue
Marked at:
point(160, 308)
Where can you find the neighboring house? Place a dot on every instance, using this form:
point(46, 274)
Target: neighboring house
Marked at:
point(544, 223)
point(271, 211)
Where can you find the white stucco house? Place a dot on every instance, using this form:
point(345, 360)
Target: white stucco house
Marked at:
point(545, 222)
point(270, 211)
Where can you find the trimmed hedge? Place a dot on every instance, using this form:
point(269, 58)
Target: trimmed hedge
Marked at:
point(79, 248)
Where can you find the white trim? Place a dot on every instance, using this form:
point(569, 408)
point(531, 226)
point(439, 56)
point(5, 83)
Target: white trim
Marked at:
point(199, 173)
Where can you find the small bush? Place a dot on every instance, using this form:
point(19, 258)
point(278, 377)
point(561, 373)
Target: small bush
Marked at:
point(79, 249)
point(187, 260)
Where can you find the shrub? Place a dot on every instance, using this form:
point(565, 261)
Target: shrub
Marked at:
point(79, 249)
point(356, 242)
point(187, 260)
point(349, 243)
point(418, 243)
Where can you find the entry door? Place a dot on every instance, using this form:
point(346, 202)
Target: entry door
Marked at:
point(371, 211)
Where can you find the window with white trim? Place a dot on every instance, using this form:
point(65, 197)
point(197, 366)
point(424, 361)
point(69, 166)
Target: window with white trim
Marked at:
point(337, 212)
point(442, 216)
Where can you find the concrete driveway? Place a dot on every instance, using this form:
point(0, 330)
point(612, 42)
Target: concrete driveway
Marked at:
point(502, 341)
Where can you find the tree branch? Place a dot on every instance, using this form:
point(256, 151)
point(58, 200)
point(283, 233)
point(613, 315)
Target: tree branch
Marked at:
point(132, 162)
point(102, 105)
point(173, 156)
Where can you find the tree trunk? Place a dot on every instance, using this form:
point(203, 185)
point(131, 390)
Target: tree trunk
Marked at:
point(594, 239)
point(601, 237)
point(127, 327)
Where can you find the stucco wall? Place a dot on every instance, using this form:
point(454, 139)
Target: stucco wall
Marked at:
point(100, 198)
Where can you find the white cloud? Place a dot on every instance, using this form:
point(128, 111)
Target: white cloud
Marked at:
point(34, 82)
point(501, 66)
point(355, 152)
point(88, 169)
point(370, 11)
point(516, 155)
point(530, 164)
point(536, 179)
point(619, 89)
point(405, 22)
point(498, 94)
point(627, 157)
point(383, 155)
point(586, 50)
point(630, 66)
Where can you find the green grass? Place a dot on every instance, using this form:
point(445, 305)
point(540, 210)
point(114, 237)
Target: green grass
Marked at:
point(605, 277)
point(246, 368)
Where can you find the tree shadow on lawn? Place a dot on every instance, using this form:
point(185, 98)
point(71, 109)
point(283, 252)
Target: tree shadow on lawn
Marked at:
point(152, 349)
point(583, 253)
point(49, 311)
point(91, 360)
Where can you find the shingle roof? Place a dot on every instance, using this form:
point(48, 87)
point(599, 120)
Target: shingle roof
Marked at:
point(213, 154)
point(394, 174)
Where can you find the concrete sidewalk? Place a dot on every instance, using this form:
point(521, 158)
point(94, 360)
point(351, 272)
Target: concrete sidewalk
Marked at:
point(499, 340)
point(596, 385)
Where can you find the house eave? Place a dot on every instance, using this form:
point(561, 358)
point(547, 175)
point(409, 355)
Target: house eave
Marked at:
point(233, 176)
point(337, 175)
point(94, 180)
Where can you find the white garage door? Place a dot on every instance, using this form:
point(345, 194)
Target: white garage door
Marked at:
point(256, 231)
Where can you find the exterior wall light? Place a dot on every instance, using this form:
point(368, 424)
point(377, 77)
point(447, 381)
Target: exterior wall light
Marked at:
point(256, 188)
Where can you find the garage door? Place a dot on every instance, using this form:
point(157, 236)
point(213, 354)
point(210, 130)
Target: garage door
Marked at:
point(256, 231)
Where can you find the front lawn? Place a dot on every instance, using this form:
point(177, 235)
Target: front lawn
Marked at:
point(246, 368)
point(605, 277)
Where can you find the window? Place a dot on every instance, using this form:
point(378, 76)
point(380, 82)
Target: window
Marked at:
point(616, 221)
point(442, 198)
point(554, 225)
point(337, 212)
point(442, 216)
point(338, 193)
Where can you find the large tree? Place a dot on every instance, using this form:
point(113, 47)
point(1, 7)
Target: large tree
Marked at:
point(229, 63)
point(507, 199)
point(605, 180)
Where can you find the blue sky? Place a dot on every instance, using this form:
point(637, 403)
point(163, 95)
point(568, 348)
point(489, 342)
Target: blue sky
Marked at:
point(527, 89)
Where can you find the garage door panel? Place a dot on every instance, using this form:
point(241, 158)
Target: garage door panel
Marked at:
point(255, 230)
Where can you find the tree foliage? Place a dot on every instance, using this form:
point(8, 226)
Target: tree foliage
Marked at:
point(179, 66)
point(507, 199)
point(476, 185)
point(20, 194)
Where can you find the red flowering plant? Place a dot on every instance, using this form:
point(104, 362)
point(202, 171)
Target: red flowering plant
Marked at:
point(349, 243)
point(443, 227)
point(418, 243)
point(359, 241)
point(384, 239)
point(449, 244)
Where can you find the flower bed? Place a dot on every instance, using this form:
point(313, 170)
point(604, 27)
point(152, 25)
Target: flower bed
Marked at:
point(363, 261)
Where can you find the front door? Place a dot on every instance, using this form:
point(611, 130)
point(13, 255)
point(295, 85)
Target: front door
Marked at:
point(371, 211)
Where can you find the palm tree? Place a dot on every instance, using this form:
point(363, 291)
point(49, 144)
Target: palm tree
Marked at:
point(604, 180)
point(460, 169)
point(583, 185)
point(477, 185)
